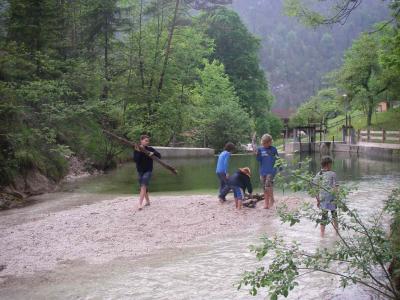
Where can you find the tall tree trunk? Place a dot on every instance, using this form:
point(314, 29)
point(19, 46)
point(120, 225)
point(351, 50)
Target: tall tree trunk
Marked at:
point(106, 62)
point(156, 58)
point(74, 38)
point(156, 51)
point(370, 110)
point(141, 63)
point(128, 85)
point(64, 48)
point(168, 49)
point(37, 36)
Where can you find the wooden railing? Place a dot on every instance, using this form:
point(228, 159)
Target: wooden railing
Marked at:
point(379, 136)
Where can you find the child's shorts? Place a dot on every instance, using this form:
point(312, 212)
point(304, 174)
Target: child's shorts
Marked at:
point(144, 178)
point(324, 216)
point(238, 193)
point(267, 181)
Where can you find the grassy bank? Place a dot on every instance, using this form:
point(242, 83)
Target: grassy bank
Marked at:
point(380, 120)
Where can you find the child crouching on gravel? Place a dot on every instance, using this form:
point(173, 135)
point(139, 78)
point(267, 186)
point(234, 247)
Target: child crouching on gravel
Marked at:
point(238, 182)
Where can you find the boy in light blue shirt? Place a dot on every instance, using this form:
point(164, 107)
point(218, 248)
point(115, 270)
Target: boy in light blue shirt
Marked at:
point(222, 167)
point(266, 156)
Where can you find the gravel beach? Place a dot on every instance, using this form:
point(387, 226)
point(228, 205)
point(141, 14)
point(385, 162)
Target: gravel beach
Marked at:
point(102, 231)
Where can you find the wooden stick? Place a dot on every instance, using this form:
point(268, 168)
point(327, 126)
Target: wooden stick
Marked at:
point(254, 143)
point(145, 151)
point(251, 202)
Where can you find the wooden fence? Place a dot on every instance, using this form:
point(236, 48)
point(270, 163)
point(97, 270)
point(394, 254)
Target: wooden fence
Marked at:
point(379, 136)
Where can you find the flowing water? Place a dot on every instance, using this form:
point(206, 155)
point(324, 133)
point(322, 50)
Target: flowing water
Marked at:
point(210, 269)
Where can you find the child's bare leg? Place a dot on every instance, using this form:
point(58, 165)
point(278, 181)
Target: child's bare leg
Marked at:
point(142, 195)
point(240, 205)
point(322, 230)
point(263, 178)
point(266, 199)
point(271, 197)
point(146, 196)
point(236, 203)
point(268, 196)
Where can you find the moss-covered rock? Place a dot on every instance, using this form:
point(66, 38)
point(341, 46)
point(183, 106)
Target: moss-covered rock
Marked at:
point(11, 200)
point(32, 183)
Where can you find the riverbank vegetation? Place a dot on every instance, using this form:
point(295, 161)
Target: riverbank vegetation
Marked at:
point(181, 71)
point(368, 75)
point(387, 120)
point(361, 255)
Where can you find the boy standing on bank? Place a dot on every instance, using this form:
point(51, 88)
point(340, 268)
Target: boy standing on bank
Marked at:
point(144, 167)
point(222, 167)
point(267, 156)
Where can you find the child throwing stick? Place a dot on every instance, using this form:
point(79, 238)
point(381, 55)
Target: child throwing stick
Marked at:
point(238, 182)
point(144, 166)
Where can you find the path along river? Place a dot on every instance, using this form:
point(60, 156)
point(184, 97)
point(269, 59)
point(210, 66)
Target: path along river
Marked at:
point(206, 268)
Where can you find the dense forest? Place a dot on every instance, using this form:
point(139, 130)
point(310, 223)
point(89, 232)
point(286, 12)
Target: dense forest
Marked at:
point(185, 72)
point(297, 57)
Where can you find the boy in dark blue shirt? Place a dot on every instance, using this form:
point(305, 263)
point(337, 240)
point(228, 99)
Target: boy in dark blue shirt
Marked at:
point(266, 156)
point(238, 182)
point(144, 167)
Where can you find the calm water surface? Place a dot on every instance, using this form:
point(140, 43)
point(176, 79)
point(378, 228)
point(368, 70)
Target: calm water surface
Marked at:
point(198, 174)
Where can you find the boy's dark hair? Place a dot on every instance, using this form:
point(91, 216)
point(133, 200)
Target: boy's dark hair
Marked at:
point(326, 160)
point(229, 147)
point(144, 136)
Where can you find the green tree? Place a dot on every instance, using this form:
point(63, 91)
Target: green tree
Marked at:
point(389, 58)
point(318, 109)
point(269, 123)
point(220, 118)
point(238, 50)
point(101, 21)
point(34, 24)
point(361, 75)
point(162, 113)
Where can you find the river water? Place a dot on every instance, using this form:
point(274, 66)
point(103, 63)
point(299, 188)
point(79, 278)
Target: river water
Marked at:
point(208, 270)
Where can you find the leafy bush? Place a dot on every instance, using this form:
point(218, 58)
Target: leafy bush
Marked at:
point(269, 124)
point(363, 250)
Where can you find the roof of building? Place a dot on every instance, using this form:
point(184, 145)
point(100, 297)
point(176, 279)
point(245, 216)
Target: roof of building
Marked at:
point(282, 113)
